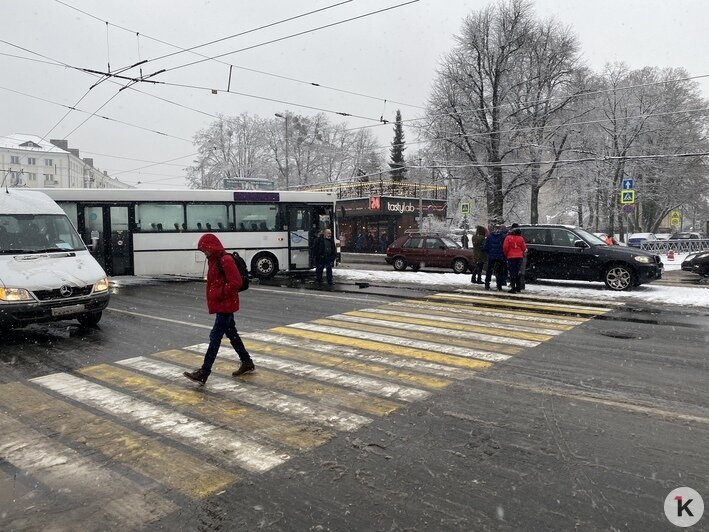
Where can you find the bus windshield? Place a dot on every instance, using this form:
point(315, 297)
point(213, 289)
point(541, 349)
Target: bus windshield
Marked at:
point(37, 233)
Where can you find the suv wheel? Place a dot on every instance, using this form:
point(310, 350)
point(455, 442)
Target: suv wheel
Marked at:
point(619, 277)
point(400, 264)
point(460, 265)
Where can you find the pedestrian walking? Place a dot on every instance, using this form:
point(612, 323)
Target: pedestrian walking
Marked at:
point(514, 248)
point(479, 257)
point(325, 254)
point(495, 257)
point(464, 241)
point(223, 283)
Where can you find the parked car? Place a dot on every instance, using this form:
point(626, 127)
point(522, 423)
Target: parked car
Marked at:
point(697, 263)
point(637, 239)
point(420, 250)
point(567, 252)
point(662, 236)
point(686, 235)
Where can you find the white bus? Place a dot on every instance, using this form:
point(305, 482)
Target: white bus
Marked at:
point(149, 232)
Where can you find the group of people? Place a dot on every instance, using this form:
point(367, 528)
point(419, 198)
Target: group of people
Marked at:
point(500, 252)
point(368, 243)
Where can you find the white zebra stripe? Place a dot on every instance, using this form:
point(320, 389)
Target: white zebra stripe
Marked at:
point(537, 298)
point(489, 325)
point(425, 305)
point(219, 442)
point(247, 393)
point(405, 342)
point(365, 384)
point(423, 366)
point(490, 299)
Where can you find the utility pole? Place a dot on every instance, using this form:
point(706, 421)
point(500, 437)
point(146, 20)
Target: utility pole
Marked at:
point(285, 117)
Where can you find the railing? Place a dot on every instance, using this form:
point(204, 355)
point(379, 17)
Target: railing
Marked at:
point(678, 246)
point(360, 189)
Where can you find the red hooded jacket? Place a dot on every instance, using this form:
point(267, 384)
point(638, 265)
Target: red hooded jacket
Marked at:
point(514, 246)
point(223, 278)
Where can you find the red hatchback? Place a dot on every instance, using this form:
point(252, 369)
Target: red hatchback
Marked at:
point(435, 251)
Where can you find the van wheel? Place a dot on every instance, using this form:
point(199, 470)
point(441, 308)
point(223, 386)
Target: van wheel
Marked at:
point(90, 320)
point(619, 277)
point(460, 265)
point(264, 266)
point(399, 264)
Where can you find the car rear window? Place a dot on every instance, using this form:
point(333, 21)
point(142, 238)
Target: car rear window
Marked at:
point(414, 243)
point(562, 237)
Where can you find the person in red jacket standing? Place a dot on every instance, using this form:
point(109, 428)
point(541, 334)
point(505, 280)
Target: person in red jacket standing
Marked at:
point(514, 248)
point(223, 283)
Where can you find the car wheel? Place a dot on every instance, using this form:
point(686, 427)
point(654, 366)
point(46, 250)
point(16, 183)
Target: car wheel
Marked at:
point(90, 320)
point(264, 266)
point(619, 277)
point(460, 266)
point(400, 264)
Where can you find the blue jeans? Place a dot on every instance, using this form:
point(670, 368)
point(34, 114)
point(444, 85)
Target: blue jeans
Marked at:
point(224, 324)
point(327, 264)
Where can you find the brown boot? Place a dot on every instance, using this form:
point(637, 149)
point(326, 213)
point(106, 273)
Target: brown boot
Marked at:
point(245, 366)
point(199, 375)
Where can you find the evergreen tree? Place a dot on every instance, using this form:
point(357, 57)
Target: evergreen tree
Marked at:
point(397, 151)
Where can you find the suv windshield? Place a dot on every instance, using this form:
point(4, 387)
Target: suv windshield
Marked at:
point(590, 237)
point(37, 233)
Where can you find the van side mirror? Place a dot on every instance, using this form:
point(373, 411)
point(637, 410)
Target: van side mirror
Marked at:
point(580, 244)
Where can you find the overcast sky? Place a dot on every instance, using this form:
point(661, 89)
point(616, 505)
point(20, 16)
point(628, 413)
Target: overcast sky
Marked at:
point(391, 55)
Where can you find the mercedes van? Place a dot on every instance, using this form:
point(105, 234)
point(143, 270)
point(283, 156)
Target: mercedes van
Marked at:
point(46, 271)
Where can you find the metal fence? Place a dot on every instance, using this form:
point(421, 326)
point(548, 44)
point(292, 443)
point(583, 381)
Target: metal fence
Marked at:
point(365, 189)
point(678, 246)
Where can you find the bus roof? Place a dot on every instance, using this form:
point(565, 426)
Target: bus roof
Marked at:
point(16, 201)
point(259, 196)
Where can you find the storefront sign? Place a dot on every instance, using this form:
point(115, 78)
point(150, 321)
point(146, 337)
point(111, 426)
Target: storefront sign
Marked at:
point(401, 207)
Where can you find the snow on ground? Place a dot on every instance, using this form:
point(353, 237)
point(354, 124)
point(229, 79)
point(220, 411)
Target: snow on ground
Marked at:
point(674, 264)
point(675, 295)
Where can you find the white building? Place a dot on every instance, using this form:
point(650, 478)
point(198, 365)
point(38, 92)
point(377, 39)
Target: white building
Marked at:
point(32, 162)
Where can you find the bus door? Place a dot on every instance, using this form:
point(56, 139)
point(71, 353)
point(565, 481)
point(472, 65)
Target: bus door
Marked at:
point(106, 232)
point(301, 236)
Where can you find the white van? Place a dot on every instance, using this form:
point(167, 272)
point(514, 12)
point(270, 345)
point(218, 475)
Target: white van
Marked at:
point(46, 272)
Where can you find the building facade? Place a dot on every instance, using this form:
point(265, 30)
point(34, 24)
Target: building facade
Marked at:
point(29, 161)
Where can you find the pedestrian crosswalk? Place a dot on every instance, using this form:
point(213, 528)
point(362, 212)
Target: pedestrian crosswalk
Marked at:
point(135, 434)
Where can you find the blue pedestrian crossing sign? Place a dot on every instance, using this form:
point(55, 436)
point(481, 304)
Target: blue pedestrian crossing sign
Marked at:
point(627, 197)
point(628, 184)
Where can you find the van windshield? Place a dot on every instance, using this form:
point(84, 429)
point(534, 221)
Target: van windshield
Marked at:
point(37, 233)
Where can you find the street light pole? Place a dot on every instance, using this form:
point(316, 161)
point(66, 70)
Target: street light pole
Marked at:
point(285, 117)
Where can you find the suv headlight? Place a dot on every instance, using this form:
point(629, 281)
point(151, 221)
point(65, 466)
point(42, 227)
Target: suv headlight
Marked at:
point(14, 294)
point(102, 285)
point(643, 259)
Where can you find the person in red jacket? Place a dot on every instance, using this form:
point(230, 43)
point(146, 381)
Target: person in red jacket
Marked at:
point(514, 248)
point(223, 283)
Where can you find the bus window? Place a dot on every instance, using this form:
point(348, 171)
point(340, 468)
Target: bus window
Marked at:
point(151, 217)
point(70, 210)
point(260, 217)
point(213, 217)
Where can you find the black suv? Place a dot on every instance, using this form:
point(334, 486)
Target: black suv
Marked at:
point(566, 252)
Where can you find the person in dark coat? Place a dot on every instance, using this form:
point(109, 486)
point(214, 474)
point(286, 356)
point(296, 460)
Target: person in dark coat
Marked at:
point(495, 257)
point(464, 241)
point(325, 254)
point(223, 283)
point(479, 257)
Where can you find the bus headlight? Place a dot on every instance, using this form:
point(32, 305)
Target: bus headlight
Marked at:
point(14, 294)
point(102, 285)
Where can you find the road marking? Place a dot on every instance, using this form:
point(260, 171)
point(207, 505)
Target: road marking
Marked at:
point(365, 361)
point(292, 406)
point(498, 302)
point(64, 470)
point(153, 317)
point(212, 407)
point(437, 321)
point(456, 311)
point(519, 315)
point(543, 298)
point(499, 344)
point(312, 293)
point(365, 384)
point(316, 333)
point(220, 443)
point(405, 342)
point(174, 468)
point(317, 392)
point(526, 339)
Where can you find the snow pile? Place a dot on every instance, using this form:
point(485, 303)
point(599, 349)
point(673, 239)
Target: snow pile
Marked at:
point(675, 295)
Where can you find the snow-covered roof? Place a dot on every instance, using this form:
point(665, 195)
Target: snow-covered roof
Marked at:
point(19, 141)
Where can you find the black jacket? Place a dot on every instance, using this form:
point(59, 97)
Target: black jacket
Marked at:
point(324, 249)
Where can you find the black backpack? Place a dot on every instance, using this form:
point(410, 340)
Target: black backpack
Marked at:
point(241, 266)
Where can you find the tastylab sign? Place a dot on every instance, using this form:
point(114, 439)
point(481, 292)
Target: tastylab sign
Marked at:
point(401, 206)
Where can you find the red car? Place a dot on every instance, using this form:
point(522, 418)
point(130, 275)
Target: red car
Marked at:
point(435, 251)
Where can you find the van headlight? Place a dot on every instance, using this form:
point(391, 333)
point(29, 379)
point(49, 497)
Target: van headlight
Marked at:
point(102, 285)
point(643, 259)
point(14, 294)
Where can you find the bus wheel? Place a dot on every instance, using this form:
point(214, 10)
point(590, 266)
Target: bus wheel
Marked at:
point(264, 266)
point(89, 320)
